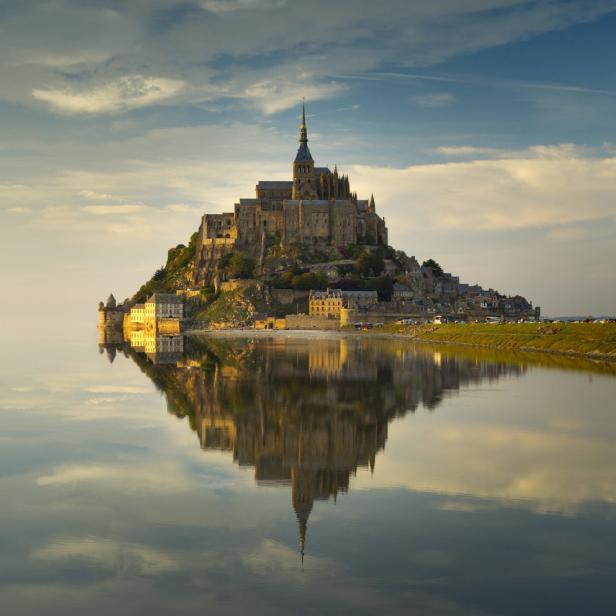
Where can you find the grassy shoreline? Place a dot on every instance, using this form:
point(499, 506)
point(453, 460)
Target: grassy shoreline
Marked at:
point(590, 340)
point(575, 361)
point(593, 340)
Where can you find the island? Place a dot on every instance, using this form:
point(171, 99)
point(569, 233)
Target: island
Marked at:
point(309, 254)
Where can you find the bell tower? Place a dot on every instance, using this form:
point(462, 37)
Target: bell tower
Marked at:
point(304, 181)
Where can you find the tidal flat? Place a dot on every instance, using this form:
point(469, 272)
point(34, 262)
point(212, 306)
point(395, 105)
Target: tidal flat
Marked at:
point(305, 473)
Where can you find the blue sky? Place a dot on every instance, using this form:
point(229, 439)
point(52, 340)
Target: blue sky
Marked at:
point(485, 129)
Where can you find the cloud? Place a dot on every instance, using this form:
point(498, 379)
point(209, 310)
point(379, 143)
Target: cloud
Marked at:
point(19, 210)
point(275, 96)
point(114, 210)
point(434, 99)
point(116, 389)
point(167, 479)
point(227, 47)
point(8, 186)
point(466, 150)
point(183, 208)
point(542, 187)
point(544, 467)
point(271, 558)
point(230, 6)
point(108, 554)
point(123, 94)
point(96, 196)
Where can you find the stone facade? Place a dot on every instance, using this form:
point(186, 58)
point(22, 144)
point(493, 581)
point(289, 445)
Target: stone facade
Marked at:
point(305, 321)
point(329, 303)
point(325, 303)
point(163, 305)
point(315, 208)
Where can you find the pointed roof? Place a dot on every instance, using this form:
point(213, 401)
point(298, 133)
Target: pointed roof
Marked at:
point(111, 301)
point(303, 153)
point(302, 512)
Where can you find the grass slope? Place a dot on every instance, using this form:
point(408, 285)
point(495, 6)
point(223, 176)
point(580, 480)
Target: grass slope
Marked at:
point(582, 338)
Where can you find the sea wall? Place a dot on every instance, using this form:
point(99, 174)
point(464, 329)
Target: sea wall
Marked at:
point(304, 321)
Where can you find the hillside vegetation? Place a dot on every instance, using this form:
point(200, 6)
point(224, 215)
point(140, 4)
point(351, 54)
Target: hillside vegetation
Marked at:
point(584, 338)
point(175, 274)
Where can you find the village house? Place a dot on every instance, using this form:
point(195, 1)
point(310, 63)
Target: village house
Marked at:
point(137, 314)
point(163, 305)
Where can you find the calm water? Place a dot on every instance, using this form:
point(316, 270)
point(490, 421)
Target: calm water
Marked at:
point(304, 476)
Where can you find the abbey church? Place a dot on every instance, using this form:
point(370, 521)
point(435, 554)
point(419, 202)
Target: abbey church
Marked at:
point(315, 208)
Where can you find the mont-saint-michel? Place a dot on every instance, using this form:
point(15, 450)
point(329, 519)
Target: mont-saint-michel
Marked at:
point(306, 253)
point(356, 349)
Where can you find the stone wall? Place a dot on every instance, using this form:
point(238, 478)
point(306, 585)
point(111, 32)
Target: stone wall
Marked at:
point(271, 323)
point(304, 321)
point(168, 327)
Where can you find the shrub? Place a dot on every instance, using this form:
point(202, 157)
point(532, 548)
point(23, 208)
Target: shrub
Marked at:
point(239, 265)
point(384, 287)
point(370, 264)
point(309, 280)
point(437, 270)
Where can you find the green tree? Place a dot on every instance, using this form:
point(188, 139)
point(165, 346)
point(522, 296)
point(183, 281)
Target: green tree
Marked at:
point(351, 284)
point(309, 280)
point(369, 264)
point(159, 274)
point(384, 287)
point(436, 268)
point(240, 265)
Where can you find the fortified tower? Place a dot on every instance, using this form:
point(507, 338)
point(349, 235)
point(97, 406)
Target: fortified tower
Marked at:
point(304, 179)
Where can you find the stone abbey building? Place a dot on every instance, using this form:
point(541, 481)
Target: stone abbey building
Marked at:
point(315, 208)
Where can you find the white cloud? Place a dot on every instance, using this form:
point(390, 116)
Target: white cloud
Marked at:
point(271, 558)
point(546, 186)
point(96, 196)
point(129, 92)
point(19, 210)
point(114, 210)
point(168, 479)
point(274, 96)
point(182, 207)
point(108, 554)
point(434, 99)
point(116, 389)
point(547, 469)
point(230, 6)
point(9, 187)
point(466, 150)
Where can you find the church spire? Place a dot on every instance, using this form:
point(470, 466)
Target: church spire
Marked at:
point(303, 131)
point(303, 153)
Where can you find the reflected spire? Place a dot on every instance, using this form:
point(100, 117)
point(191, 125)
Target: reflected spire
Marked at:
point(302, 513)
point(302, 498)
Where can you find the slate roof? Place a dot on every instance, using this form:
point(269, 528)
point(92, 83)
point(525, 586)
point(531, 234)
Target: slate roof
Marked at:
point(164, 298)
point(274, 184)
point(303, 154)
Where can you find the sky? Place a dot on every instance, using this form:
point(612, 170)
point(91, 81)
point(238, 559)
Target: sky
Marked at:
point(484, 128)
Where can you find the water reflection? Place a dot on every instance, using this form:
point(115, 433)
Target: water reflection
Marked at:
point(305, 413)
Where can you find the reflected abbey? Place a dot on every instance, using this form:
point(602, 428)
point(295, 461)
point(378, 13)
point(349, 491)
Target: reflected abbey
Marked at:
point(306, 413)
